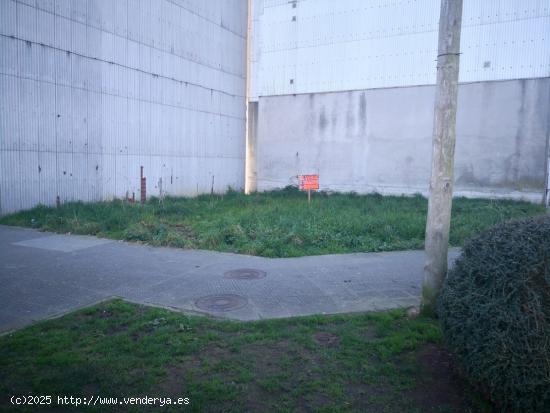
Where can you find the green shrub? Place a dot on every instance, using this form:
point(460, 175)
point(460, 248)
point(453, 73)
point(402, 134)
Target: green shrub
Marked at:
point(495, 313)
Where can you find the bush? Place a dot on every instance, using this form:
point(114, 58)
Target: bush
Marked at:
point(495, 313)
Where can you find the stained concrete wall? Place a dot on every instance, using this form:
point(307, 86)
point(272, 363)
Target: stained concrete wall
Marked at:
point(380, 139)
point(90, 90)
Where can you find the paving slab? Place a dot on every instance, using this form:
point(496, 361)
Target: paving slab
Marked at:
point(44, 275)
point(63, 243)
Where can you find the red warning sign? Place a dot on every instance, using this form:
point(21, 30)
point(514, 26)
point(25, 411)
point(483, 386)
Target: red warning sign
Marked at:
point(309, 182)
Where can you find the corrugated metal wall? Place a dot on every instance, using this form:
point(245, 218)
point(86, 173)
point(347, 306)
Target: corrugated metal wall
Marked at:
point(307, 46)
point(90, 90)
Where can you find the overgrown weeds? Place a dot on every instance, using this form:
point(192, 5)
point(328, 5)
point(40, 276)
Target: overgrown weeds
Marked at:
point(272, 224)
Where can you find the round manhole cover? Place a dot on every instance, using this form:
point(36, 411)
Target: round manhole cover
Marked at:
point(221, 302)
point(245, 274)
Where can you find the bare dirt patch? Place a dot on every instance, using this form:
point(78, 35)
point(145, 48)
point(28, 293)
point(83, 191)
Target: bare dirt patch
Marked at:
point(326, 339)
point(438, 385)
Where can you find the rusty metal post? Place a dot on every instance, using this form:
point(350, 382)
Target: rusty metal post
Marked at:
point(143, 187)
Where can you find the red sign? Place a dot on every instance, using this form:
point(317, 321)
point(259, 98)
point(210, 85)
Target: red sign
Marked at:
point(309, 182)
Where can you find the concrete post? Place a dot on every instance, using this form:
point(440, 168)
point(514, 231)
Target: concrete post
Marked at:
point(251, 148)
point(251, 113)
point(443, 148)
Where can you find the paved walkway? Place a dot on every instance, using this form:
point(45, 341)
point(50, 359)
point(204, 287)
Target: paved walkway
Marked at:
point(43, 275)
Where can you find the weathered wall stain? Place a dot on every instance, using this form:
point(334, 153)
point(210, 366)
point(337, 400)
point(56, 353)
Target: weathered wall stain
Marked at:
point(334, 120)
point(514, 173)
point(363, 112)
point(323, 122)
point(350, 117)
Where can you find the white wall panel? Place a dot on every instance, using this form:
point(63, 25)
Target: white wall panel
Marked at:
point(93, 89)
point(308, 46)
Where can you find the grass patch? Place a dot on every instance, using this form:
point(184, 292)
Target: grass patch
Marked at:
point(380, 362)
point(272, 224)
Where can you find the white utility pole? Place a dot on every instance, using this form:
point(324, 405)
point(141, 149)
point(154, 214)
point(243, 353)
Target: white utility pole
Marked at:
point(443, 148)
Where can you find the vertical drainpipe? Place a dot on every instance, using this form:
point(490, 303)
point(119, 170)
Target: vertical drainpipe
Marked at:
point(546, 199)
point(247, 162)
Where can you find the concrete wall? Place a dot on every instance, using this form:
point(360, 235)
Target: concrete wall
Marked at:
point(90, 90)
point(380, 139)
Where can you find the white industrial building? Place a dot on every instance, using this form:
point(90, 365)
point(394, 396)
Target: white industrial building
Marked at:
point(91, 90)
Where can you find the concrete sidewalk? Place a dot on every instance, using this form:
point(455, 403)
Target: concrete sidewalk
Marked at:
point(44, 275)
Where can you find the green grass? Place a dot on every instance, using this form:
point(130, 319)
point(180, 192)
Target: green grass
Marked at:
point(347, 363)
point(273, 224)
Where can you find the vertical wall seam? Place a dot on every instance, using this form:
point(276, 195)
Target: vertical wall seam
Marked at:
point(18, 85)
point(56, 117)
point(88, 174)
point(38, 118)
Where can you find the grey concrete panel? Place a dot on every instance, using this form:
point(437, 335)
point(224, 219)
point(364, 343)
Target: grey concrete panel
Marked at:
point(379, 140)
point(63, 243)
